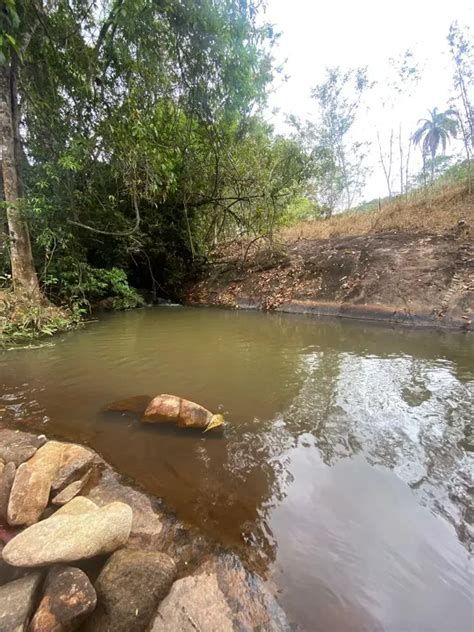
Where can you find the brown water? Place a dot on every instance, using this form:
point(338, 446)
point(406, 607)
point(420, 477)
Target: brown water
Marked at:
point(344, 467)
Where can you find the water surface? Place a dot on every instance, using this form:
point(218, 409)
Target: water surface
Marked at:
point(344, 471)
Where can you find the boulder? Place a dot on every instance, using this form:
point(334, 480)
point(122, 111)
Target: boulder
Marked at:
point(17, 600)
point(147, 524)
point(77, 506)
point(71, 534)
point(169, 408)
point(9, 573)
point(18, 446)
point(74, 461)
point(29, 495)
point(129, 589)
point(53, 466)
point(135, 405)
point(71, 490)
point(221, 596)
point(68, 597)
point(6, 482)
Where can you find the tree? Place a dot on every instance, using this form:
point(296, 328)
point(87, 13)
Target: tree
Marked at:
point(325, 184)
point(25, 279)
point(339, 99)
point(433, 132)
point(405, 73)
point(130, 112)
point(462, 53)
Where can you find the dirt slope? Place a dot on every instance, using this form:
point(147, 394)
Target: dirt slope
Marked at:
point(424, 279)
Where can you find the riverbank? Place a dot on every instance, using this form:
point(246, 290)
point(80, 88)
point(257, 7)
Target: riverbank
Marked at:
point(372, 266)
point(81, 549)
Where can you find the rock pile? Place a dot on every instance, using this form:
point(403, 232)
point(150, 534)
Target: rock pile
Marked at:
point(82, 551)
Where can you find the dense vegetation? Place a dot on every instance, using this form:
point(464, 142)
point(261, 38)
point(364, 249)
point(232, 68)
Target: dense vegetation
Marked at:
point(134, 142)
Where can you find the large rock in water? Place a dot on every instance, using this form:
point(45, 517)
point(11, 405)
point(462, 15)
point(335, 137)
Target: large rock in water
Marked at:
point(52, 467)
point(17, 600)
point(74, 532)
point(169, 408)
point(129, 589)
point(221, 596)
point(68, 598)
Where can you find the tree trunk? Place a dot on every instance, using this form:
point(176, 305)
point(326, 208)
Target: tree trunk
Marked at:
point(25, 280)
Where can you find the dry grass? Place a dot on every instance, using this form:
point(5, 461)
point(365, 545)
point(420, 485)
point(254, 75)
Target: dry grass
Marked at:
point(422, 211)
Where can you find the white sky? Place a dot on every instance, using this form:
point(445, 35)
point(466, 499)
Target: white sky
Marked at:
point(351, 33)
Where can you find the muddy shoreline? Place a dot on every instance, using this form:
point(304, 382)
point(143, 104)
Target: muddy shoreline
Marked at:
point(400, 278)
point(194, 575)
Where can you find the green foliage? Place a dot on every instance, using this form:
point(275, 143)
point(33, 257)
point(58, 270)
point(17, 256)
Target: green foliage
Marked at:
point(433, 133)
point(21, 321)
point(134, 115)
point(82, 285)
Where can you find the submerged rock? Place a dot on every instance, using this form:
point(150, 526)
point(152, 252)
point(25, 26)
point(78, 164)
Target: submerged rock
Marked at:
point(17, 600)
point(67, 600)
point(170, 408)
point(129, 589)
point(72, 533)
point(136, 405)
point(221, 596)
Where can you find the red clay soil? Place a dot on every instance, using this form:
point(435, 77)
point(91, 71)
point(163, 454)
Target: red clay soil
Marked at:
point(397, 277)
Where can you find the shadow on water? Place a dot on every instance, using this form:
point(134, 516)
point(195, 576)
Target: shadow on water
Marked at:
point(344, 470)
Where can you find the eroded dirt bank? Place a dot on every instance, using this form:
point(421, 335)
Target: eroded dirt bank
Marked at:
point(396, 277)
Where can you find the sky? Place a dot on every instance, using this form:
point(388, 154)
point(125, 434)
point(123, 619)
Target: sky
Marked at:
point(353, 33)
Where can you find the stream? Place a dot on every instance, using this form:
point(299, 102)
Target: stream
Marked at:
point(343, 474)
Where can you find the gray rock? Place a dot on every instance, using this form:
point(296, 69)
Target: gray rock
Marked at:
point(68, 536)
point(129, 589)
point(221, 596)
point(9, 573)
point(6, 482)
point(17, 600)
point(68, 598)
point(18, 446)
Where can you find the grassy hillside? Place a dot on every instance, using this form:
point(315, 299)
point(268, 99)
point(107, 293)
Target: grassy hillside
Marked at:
point(437, 210)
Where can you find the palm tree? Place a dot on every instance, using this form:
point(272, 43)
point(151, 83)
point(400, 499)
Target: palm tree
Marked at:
point(435, 131)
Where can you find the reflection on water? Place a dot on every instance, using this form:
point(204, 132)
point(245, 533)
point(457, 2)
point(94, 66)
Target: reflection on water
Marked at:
point(344, 471)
